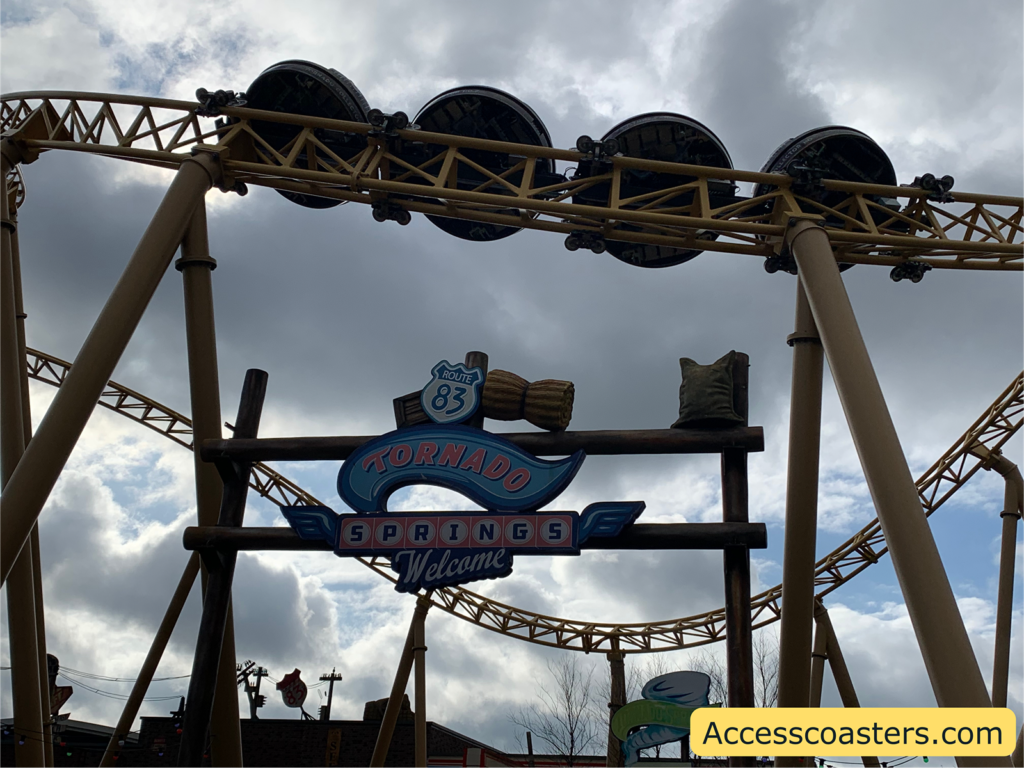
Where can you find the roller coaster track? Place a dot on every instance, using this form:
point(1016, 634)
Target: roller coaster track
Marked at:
point(1000, 421)
point(969, 231)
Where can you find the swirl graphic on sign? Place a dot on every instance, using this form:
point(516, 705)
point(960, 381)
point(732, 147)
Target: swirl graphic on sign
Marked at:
point(486, 468)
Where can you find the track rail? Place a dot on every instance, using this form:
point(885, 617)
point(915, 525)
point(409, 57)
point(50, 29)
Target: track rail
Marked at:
point(975, 231)
point(1000, 421)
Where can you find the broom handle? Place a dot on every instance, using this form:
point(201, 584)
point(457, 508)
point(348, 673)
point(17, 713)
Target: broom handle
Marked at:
point(477, 360)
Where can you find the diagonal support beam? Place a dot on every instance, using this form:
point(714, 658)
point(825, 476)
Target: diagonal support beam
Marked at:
point(221, 569)
point(44, 459)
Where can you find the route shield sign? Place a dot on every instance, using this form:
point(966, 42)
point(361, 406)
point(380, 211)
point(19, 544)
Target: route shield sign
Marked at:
point(293, 689)
point(453, 393)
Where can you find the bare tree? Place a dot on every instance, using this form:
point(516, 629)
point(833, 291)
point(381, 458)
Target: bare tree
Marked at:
point(766, 671)
point(565, 717)
point(654, 665)
point(711, 665)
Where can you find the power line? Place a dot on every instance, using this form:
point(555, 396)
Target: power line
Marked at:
point(111, 694)
point(93, 676)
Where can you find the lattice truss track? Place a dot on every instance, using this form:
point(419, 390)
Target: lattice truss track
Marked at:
point(1000, 421)
point(868, 224)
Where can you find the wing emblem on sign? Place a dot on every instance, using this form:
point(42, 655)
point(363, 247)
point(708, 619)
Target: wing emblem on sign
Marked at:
point(312, 522)
point(608, 518)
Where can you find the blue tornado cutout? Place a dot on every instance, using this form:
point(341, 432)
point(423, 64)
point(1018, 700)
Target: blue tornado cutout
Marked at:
point(689, 689)
point(484, 467)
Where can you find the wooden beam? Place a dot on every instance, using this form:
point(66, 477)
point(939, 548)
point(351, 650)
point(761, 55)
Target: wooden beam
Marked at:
point(595, 443)
point(639, 536)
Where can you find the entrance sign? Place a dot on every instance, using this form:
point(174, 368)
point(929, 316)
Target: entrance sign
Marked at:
point(436, 549)
point(453, 394)
point(486, 468)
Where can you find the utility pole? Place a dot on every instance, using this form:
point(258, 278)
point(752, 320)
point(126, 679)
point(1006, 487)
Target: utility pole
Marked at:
point(253, 691)
point(325, 712)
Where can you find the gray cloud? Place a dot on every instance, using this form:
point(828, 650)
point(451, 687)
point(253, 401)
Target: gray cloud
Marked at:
point(346, 314)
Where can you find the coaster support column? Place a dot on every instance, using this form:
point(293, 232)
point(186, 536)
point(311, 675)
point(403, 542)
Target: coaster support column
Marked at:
point(26, 420)
point(26, 677)
point(837, 663)
point(196, 266)
point(617, 700)
point(819, 653)
point(419, 657)
point(44, 459)
point(387, 726)
point(797, 621)
point(1013, 496)
point(952, 666)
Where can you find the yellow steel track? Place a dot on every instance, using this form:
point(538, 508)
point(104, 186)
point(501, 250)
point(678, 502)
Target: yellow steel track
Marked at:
point(973, 231)
point(1000, 421)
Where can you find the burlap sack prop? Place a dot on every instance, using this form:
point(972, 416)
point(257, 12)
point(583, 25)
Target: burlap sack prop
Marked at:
point(546, 404)
point(705, 396)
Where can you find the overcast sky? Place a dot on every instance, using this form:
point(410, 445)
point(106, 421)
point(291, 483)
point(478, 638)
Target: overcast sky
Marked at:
point(346, 314)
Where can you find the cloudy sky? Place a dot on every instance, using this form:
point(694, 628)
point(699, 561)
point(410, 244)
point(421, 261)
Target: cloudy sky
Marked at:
point(345, 314)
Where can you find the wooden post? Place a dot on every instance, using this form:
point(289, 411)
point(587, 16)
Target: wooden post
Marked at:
point(738, 634)
point(477, 360)
point(617, 666)
point(221, 568)
point(387, 726)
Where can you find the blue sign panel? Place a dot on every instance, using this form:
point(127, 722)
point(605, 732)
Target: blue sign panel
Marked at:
point(434, 549)
point(453, 394)
point(486, 468)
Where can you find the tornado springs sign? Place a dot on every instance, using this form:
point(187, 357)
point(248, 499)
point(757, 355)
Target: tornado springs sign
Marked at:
point(433, 549)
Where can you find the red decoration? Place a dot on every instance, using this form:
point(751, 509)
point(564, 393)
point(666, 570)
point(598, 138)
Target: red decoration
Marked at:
point(292, 689)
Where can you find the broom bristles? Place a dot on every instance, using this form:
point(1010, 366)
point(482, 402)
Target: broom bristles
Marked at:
point(546, 403)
